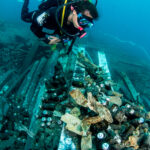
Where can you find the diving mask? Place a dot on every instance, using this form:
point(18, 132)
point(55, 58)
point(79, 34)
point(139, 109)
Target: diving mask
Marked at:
point(84, 21)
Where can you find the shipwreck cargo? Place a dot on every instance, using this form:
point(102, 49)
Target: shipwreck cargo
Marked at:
point(67, 102)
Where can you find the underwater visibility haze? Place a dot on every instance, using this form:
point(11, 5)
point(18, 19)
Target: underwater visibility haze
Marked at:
point(91, 93)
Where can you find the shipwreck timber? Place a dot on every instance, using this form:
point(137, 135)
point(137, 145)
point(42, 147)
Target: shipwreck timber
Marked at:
point(67, 102)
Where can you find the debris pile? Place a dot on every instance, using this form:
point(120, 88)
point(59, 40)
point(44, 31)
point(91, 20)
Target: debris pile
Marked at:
point(81, 109)
point(106, 120)
point(14, 126)
point(101, 117)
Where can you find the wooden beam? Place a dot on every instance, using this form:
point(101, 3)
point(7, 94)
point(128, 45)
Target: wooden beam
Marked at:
point(34, 81)
point(17, 82)
point(130, 87)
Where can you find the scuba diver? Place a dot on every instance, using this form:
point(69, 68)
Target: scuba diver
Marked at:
point(67, 19)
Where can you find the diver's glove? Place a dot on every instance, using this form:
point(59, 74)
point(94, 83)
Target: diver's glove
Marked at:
point(82, 32)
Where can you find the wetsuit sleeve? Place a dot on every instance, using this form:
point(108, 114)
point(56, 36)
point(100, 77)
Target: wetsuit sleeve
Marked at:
point(37, 30)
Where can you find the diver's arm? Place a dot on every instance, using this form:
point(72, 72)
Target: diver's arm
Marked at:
point(37, 30)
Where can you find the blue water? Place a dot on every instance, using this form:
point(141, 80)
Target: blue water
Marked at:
point(122, 32)
point(10, 10)
point(127, 19)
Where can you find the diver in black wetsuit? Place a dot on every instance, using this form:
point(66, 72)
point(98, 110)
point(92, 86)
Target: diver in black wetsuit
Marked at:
point(76, 18)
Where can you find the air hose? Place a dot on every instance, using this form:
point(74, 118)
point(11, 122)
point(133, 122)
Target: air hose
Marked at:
point(56, 16)
point(74, 36)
